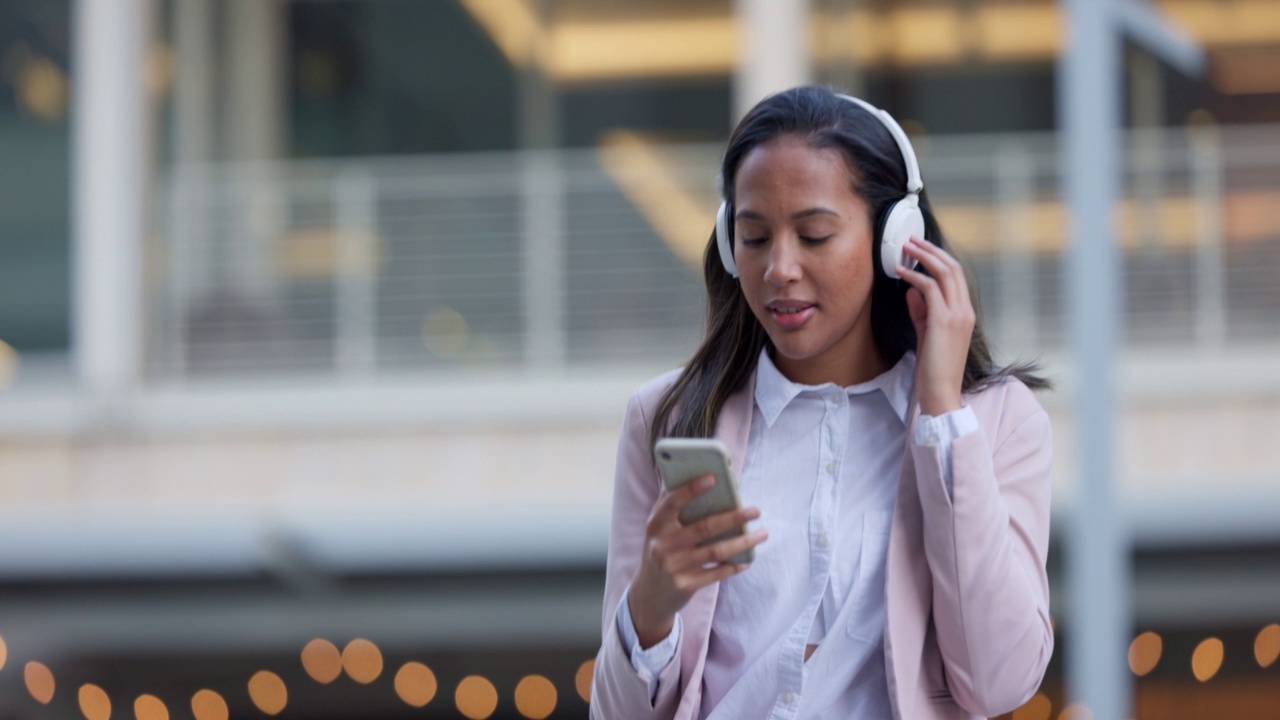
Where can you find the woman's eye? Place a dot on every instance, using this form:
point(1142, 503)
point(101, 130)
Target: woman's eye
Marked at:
point(753, 242)
point(809, 240)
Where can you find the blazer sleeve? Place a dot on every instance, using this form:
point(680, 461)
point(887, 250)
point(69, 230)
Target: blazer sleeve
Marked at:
point(987, 544)
point(618, 692)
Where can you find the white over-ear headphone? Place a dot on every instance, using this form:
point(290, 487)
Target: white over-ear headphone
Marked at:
point(894, 227)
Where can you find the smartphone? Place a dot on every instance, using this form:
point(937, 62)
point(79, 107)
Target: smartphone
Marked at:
point(681, 460)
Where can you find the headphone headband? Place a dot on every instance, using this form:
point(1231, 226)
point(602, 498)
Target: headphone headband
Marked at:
point(914, 183)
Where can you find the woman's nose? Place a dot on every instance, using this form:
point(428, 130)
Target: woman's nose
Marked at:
point(784, 262)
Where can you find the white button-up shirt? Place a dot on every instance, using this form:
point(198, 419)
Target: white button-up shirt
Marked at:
point(822, 465)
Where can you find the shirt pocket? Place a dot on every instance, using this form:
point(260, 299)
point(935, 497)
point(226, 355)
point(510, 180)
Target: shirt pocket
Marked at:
point(866, 614)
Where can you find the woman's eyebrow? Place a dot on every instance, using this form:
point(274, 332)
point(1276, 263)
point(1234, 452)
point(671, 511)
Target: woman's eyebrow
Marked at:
point(810, 212)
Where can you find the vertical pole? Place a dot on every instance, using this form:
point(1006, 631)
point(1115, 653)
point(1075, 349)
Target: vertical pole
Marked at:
point(355, 217)
point(253, 114)
point(542, 213)
point(774, 50)
point(189, 184)
point(1097, 557)
point(110, 128)
point(1206, 183)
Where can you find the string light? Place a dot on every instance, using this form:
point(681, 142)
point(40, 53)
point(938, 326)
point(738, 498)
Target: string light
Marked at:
point(1207, 659)
point(39, 681)
point(4, 653)
point(476, 697)
point(535, 697)
point(322, 661)
point(1144, 653)
point(1266, 647)
point(209, 705)
point(582, 680)
point(268, 692)
point(362, 660)
point(150, 707)
point(94, 703)
point(416, 684)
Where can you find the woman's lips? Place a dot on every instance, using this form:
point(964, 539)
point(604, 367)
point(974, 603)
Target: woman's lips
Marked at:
point(791, 315)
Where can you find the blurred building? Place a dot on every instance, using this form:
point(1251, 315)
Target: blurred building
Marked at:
point(317, 320)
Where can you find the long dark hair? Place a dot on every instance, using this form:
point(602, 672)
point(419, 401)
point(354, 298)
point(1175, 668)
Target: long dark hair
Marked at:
point(733, 340)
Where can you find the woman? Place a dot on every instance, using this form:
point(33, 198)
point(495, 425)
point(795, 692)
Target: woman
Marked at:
point(900, 478)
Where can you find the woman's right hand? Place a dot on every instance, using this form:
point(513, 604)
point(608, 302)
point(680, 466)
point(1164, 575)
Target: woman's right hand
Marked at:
point(673, 567)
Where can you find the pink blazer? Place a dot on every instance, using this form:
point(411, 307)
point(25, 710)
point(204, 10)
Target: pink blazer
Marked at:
point(967, 629)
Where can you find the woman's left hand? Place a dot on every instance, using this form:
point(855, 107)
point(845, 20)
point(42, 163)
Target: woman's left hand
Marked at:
point(943, 315)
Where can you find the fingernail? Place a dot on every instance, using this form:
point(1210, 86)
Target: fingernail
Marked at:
point(705, 482)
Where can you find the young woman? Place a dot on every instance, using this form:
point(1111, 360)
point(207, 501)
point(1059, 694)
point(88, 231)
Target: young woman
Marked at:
point(900, 478)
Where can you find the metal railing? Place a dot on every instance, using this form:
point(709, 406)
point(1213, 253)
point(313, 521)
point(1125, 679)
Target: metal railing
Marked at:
point(548, 261)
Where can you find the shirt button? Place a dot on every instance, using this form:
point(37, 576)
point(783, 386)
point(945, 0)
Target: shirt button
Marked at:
point(822, 540)
point(788, 697)
point(831, 468)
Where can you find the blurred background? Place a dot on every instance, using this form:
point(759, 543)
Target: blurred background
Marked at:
point(318, 319)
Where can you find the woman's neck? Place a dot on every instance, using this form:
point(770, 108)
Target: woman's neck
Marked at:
point(841, 369)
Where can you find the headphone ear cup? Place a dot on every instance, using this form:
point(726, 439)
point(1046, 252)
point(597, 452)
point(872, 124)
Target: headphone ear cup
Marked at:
point(724, 238)
point(899, 222)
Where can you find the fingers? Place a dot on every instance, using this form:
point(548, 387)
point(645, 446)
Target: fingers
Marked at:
point(714, 525)
point(667, 512)
point(691, 564)
point(945, 281)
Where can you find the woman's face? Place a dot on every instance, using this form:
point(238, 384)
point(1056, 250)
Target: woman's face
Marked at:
point(802, 243)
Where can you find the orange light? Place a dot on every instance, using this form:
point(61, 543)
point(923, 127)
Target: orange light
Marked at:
point(476, 697)
point(1144, 653)
point(416, 684)
point(1266, 648)
point(209, 705)
point(1207, 659)
point(94, 703)
point(582, 680)
point(268, 692)
point(322, 661)
point(535, 697)
point(1077, 711)
point(150, 707)
point(1037, 708)
point(39, 680)
point(4, 649)
point(362, 660)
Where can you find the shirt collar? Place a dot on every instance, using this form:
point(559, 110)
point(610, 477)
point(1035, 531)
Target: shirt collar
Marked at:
point(774, 391)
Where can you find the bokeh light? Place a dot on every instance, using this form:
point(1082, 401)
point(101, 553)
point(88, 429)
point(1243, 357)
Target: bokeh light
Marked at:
point(582, 680)
point(1076, 711)
point(1039, 707)
point(4, 653)
point(39, 680)
point(268, 692)
point(94, 703)
point(209, 705)
point(416, 684)
point(150, 707)
point(1144, 653)
point(535, 697)
point(1207, 659)
point(476, 697)
point(322, 660)
point(362, 660)
point(1266, 647)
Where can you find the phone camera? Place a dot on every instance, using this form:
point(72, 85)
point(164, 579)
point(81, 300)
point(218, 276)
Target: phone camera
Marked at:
point(666, 455)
